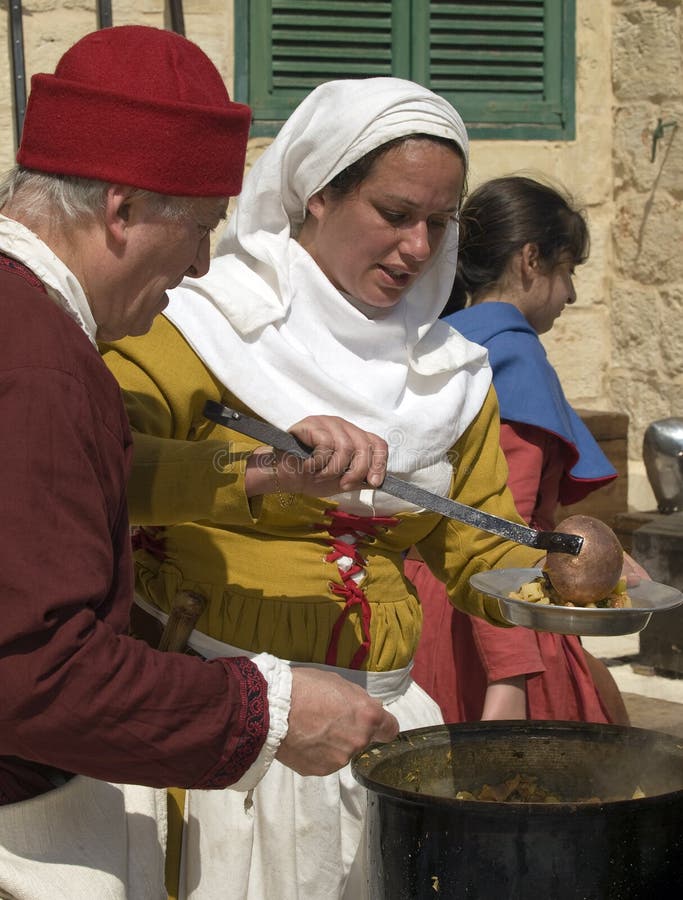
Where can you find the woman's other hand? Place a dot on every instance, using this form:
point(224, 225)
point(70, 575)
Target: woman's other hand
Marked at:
point(633, 572)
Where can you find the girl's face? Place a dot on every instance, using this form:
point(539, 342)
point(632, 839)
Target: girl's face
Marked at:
point(552, 288)
point(375, 241)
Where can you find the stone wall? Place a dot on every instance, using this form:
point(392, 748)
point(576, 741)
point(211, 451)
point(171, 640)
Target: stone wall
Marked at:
point(646, 375)
point(620, 348)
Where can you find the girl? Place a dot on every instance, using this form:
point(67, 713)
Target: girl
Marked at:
point(520, 241)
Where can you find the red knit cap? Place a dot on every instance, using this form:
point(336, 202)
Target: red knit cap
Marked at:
point(138, 106)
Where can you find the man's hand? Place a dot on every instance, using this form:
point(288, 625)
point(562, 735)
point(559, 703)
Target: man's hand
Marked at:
point(330, 720)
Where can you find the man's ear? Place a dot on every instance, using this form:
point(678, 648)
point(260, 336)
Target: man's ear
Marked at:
point(117, 209)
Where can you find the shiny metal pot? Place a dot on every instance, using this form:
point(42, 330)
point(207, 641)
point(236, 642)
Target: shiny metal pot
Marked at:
point(663, 458)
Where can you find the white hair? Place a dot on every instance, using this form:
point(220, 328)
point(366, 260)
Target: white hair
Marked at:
point(71, 199)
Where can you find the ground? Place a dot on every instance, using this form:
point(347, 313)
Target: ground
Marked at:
point(653, 700)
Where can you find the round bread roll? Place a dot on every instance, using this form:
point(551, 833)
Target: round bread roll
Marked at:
point(591, 575)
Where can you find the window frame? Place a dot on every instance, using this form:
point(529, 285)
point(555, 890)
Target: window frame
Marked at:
point(551, 118)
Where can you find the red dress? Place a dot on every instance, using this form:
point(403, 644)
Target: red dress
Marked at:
point(459, 656)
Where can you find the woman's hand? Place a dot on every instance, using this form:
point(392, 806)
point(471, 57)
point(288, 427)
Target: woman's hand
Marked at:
point(344, 458)
point(633, 572)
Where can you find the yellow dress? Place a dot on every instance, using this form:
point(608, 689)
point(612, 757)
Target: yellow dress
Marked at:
point(272, 573)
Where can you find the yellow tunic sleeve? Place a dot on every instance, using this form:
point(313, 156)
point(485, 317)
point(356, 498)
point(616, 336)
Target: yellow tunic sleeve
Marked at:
point(181, 472)
point(454, 551)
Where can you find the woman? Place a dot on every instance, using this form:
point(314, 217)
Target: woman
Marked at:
point(323, 299)
point(520, 241)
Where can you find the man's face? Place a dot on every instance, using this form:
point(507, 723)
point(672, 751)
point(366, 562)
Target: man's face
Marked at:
point(158, 253)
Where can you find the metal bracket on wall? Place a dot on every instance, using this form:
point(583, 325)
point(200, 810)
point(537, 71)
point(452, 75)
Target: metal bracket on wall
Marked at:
point(18, 68)
point(658, 134)
point(104, 14)
point(177, 18)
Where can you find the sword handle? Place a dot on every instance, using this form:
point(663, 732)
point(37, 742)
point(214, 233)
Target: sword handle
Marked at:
point(186, 609)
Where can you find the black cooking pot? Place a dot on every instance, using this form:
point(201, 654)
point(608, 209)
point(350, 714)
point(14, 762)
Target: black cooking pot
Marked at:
point(424, 843)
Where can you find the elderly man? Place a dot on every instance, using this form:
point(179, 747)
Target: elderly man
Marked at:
point(129, 154)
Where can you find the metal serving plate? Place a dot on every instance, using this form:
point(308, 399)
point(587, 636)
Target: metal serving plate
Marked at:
point(647, 597)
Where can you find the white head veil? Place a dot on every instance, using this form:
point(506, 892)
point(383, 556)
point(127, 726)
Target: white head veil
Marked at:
point(277, 334)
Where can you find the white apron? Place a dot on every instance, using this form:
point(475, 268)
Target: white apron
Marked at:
point(292, 837)
point(85, 840)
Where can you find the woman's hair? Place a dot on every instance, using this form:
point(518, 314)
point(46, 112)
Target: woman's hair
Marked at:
point(503, 215)
point(70, 199)
point(350, 178)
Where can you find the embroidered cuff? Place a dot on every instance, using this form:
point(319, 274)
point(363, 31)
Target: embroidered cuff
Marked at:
point(278, 676)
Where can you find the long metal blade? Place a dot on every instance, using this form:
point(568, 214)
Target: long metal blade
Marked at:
point(521, 534)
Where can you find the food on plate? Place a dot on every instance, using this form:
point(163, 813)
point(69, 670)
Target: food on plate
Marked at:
point(540, 590)
point(594, 573)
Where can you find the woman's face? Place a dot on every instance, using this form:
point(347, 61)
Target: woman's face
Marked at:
point(375, 241)
point(552, 289)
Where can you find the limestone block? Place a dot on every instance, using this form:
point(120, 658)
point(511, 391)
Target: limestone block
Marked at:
point(580, 354)
point(6, 98)
point(648, 236)
point(138, 12)
point(640, 494)
point(593, 74)
point(635, 125)
point(592, 278)
point(210, 24)
point(646, 51)
point(586, 165)
point(668, 161)
point(672, 391)
point(644, 400)
point(671, 300)
point(636, 326)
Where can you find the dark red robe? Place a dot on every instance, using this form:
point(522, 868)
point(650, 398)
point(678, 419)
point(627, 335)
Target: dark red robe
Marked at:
point(77, 693)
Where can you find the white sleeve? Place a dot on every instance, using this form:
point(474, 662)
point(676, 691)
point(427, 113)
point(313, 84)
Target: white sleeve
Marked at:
point(278, 674)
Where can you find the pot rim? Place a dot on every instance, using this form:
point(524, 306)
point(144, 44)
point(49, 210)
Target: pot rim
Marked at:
point(363, 764)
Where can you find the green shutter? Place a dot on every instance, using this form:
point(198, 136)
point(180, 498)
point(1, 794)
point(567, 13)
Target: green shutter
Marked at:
point(502, 64)
point(508, 67)
point(295, 45)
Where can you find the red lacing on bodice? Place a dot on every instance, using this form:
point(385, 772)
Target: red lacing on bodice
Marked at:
point(352, 571)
